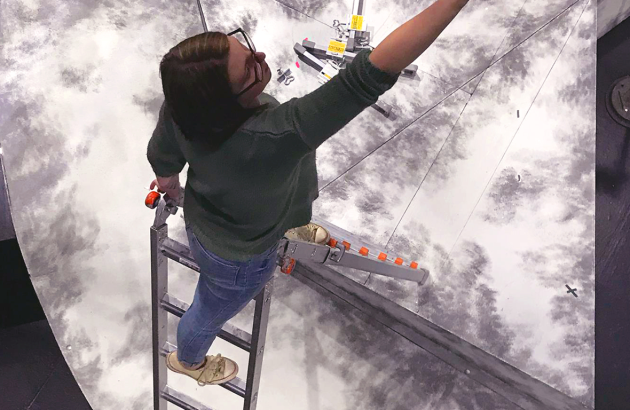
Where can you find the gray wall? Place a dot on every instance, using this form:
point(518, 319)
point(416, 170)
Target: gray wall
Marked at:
point(6, 225)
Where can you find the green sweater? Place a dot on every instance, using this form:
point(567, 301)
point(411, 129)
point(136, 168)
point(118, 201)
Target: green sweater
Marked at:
point(240, 200)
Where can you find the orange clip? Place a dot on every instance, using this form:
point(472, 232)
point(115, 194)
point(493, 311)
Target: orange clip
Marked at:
point(288, 268)
point(364, 251)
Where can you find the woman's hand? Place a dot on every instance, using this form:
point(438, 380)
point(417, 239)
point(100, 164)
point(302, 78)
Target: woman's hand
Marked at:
point(169, 185)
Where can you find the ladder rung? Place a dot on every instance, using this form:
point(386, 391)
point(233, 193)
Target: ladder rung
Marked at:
point(229, 333)
point(181, 400)
point(236, 385)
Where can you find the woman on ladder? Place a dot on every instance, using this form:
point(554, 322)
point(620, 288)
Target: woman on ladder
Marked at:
point(252, 176)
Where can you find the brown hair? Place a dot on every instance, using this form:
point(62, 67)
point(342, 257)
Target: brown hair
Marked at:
point(197, 90)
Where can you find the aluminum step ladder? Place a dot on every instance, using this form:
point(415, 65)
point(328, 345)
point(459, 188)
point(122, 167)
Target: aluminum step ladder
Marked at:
point(338, 252)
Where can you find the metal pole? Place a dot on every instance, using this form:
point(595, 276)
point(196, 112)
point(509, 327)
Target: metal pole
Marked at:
point(159, 288)
point(259, 335)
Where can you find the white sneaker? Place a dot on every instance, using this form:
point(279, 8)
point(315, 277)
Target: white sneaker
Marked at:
point(216, 370)
point(309, 233)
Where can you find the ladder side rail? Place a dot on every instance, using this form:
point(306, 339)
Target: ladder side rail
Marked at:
point(159, 317)
point(259, 336)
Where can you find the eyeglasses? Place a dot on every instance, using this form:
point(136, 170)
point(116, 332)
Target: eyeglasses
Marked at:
point(240, 35)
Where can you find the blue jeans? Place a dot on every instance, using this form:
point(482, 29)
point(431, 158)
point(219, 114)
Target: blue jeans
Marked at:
point(224, 289)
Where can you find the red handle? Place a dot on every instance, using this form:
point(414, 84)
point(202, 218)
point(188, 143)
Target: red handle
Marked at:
point(152, 200)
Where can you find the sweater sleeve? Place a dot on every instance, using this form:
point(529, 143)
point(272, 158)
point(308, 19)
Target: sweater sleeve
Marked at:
point(163, 151)
point(320, 114)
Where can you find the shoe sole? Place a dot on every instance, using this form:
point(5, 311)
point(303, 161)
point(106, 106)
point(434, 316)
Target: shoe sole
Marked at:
point(220, 381)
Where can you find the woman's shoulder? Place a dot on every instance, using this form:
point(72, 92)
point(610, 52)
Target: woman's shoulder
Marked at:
point(265, 98)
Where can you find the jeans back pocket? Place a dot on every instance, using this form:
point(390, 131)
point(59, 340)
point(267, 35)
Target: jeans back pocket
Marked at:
point(215, 268)
point(261, 268)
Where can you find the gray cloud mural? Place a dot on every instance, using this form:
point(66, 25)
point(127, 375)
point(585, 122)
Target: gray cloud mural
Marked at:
point(500, 207)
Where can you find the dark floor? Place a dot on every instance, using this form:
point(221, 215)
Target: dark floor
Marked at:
point(34, 375)
point(612, 232)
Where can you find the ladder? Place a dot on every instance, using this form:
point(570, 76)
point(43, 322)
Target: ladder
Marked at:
point(338, 252)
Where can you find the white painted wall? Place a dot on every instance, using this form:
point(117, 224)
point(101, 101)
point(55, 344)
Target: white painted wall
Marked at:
point(610, 13)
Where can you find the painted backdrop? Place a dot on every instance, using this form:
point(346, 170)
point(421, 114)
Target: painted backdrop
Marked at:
point(485, 176)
